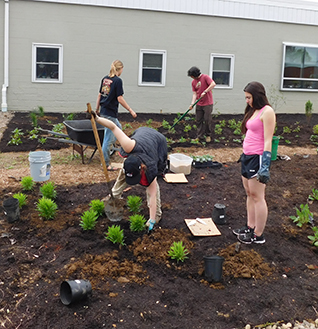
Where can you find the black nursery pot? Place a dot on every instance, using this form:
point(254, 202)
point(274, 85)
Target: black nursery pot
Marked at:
point(75, 290)
point(218, 214)
point(11, 209)
point(213, 268)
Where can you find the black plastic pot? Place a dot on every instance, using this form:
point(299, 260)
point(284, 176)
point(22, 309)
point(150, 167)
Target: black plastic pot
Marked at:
point(213, 268)
point(11, 209)
point(218, 214)
point(73, 291)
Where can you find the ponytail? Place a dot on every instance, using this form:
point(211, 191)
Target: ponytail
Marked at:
point(114, 67)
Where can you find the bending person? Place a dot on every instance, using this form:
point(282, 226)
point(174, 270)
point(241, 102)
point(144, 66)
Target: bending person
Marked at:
point(146, 157)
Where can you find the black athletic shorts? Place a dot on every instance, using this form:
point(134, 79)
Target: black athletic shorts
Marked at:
point(250, 165)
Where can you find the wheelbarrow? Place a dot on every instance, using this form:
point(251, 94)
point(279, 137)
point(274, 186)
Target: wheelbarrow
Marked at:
point(80, 134)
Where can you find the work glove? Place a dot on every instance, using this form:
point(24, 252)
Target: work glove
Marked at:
point(150, 223)
point(90, 115)
point(263, 172)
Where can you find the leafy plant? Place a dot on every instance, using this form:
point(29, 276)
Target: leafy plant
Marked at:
point(137, 223)
point(89, 219)
point(187, 128)
point(314, 238)
point(218, 129)
point(27, 183)
point(308, 110)
point(314, 195)
point(69, 116)
point(58, 127)
point(165, 124)
point(41, 111)
point(22, 199)
point(34, 133)
point(48, 190)
point(115, 234)
point(149, 122)
point(98, 206)
point(182, 139)
point(315, 129)
point(47, 208)
point(286, 130)
point(16, 137)
point(34, 119)
point(202, 158)
point(127, 125)
point(178, 251)
point(134, 203)
point(303, 215)
point(42, 140)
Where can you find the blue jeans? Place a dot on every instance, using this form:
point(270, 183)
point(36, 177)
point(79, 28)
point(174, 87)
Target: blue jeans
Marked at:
point(109, 138)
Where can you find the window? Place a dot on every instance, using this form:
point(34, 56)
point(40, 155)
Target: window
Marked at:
point(152, 68)
point(300, 67)
point(222, 70)
point(47, 63)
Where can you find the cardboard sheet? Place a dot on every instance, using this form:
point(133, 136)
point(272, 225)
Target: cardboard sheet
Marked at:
point(175, 178)
point(202, 227)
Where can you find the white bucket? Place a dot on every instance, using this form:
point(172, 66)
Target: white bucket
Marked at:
point(40, 165)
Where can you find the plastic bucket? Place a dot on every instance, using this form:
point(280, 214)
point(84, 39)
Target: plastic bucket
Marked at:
point(275, 142)
point(75, 290)
point(11, 209)
point(40, 165)
point(218, 214)
point(213, 268)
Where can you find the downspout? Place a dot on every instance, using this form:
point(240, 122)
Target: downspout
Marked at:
point(4, 106)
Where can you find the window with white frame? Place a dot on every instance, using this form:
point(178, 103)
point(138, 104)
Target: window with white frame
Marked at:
point(300, 67)
point(222, 70)
point(152, 67)
point(47, 60)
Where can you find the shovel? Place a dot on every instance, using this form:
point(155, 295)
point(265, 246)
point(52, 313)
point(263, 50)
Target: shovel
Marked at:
point(183, 115)
point(113, 207)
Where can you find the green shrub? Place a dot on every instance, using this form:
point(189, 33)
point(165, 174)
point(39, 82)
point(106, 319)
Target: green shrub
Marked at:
point(178, 251)
point(27, 183)
point(115, 234)
point(89, 219)
point(137, 223)
point(98, 206)
point(303, 215)
point(47, 208)
point(22, 199)
point(134, 203)
point(48, 190)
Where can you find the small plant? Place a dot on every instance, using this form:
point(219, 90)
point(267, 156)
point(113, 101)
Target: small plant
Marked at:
point(34, 133)
point(134, 203)
point(149, 122)
point(314, 238)
point(165, 124)
point(48, 190)
point(178, 251)
point(41, 111)
point(314, 195)
point(275, 97)
point(182, 139)
point(98, 206)
point(303, 215)
point(218, 129)
point(42, 140)
point(115, 234)
point(22, 199)
point(27, 183)
point(137, 223)
point(58, 127)
point(69, 116)
point(127, 126)
point(187, 128)
point(286, 130)
point(47, 208)
point(16, 137)
point(89, 219)
point(308, 110)
point(34, 119)
point(315, 129)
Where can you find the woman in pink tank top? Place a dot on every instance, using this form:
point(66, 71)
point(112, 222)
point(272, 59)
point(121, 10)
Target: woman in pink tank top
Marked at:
point(258, 126)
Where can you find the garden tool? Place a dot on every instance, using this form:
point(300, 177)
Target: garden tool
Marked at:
point(183, 115)
point(113, 207)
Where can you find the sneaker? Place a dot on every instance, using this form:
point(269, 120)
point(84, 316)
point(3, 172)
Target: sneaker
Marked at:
point(251, 237)
point(243, 230)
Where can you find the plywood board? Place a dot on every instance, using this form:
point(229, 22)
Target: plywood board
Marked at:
point(175, 178)
point(202, 227)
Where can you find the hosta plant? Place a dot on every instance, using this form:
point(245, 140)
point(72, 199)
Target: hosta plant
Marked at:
point(137, 223)
point(22, 199)
point(27, 183)
point(178, 251)
point(98, 206)
point(89, 219)
point(134, 203)
point(314, 238)
point(48, 190)
point(115, 234)
point(47, 208)
point(303, 215)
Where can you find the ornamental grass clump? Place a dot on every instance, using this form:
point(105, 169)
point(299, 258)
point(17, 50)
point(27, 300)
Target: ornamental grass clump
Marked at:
point(48, 190)
point(89, 219)
point(134, 203)
point(27, 183)
point(115, 235)
point(22, 198)
point(98, 206)
point(47, 208)
point(178, 251)
point(137, 223)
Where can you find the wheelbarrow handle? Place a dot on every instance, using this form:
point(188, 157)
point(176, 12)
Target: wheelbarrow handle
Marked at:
point(183, 115)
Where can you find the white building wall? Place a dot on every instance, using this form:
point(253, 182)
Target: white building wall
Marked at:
point(93, 36)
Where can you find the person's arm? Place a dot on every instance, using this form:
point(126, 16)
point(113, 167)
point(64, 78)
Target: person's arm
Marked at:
point(269, 121)
point(98, 102)
point(124, 104)
point(210, 87)
point(126, 142)
point(152, 191)
point(194, 97)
